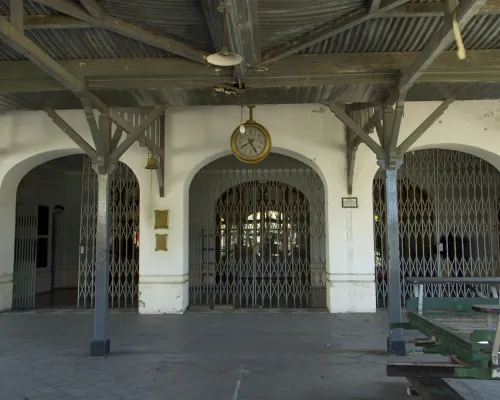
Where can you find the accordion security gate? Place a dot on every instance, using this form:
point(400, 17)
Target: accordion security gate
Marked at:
point(124, 243)
point(449, 210)
point(24, 279)
point(257, 235)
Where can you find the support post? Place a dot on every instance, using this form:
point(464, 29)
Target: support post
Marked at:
point(395, 342)
point(100, 345)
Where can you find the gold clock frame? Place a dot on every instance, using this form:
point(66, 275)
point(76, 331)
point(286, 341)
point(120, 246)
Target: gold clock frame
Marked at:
point(251, 123)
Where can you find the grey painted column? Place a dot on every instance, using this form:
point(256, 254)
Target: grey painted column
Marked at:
point(100, 345)
point(395, 341)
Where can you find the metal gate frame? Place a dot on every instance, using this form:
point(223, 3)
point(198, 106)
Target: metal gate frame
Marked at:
point(124, 234)
point(227, 204)
point(449, 210)
point(25, 242)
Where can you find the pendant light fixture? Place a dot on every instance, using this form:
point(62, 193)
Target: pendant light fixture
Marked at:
point(224, 58)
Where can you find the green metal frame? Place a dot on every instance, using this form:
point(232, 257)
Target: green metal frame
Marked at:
point(476, 355)
point(449, 303)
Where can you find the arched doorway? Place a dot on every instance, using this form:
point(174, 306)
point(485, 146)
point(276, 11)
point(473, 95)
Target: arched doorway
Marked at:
point(448, 206)
point(55, 236)
point(257, 235)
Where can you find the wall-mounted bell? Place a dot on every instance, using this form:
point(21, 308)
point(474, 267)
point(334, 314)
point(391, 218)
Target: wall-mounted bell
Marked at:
point(151, 163)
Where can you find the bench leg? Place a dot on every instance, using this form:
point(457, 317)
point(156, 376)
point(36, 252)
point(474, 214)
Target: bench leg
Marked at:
point(490, 325)
point(494, 353)
point(420, 299)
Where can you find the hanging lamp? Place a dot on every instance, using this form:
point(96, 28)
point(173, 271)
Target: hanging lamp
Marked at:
point(224, 58)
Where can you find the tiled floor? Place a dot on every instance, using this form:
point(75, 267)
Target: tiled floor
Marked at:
point(201, 356)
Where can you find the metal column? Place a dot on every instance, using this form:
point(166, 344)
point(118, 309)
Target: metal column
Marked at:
point(395, 342)
point(100, 345)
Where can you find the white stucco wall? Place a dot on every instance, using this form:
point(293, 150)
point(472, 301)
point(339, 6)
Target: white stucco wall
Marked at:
point(196, 136)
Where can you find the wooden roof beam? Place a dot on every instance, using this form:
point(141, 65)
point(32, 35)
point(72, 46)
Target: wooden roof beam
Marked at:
point(127, 29)
point(374, 6)
point(243, 36)
point(94, 9)
point(298, 70)
point(17, 14)
point(16, 39)
point(464, 12)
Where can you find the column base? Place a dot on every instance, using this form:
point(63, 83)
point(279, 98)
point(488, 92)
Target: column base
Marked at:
point(100, 348)
point(349, 293)
point(396, 347)
point(5, 293)
point(163, 294)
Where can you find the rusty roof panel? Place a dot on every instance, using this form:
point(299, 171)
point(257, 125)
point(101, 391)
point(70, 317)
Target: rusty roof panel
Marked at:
point(281, 21)
point(182, 19)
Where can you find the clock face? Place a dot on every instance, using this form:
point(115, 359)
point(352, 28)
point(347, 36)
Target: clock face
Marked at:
point(252, 145)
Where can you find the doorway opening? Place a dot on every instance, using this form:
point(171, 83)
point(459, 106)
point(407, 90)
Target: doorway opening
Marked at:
point(257, 235)
point(54, 255)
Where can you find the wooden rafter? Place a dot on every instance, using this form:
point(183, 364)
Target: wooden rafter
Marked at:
point(17, 14)
point(127, 29)
point(465, 11)
point(243, 34)
point(324, 32)
point(374, 6)
point(10, 35)
point(94, 9)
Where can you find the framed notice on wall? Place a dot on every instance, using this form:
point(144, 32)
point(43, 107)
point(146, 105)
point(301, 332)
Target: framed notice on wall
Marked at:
point(349, 202)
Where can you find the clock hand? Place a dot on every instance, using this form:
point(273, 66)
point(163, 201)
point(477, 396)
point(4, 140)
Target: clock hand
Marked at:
point(253, 147)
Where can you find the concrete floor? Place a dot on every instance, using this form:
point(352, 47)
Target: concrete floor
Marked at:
point(201, 356)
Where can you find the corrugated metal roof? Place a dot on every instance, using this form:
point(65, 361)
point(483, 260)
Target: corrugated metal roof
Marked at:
point(281, 21)
point(407, 34)
point(30, 8)
point(89, 43)
point(182, 19)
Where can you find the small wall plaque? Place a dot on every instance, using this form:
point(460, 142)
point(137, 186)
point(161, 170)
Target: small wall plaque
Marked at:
point(349, 202)
point(161, 242)
point(161, 219)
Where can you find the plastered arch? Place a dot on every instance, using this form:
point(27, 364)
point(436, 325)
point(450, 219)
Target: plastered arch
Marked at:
point(277, 150)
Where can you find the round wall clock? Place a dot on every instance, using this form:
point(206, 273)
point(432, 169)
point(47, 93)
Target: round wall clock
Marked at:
point(252, 144)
